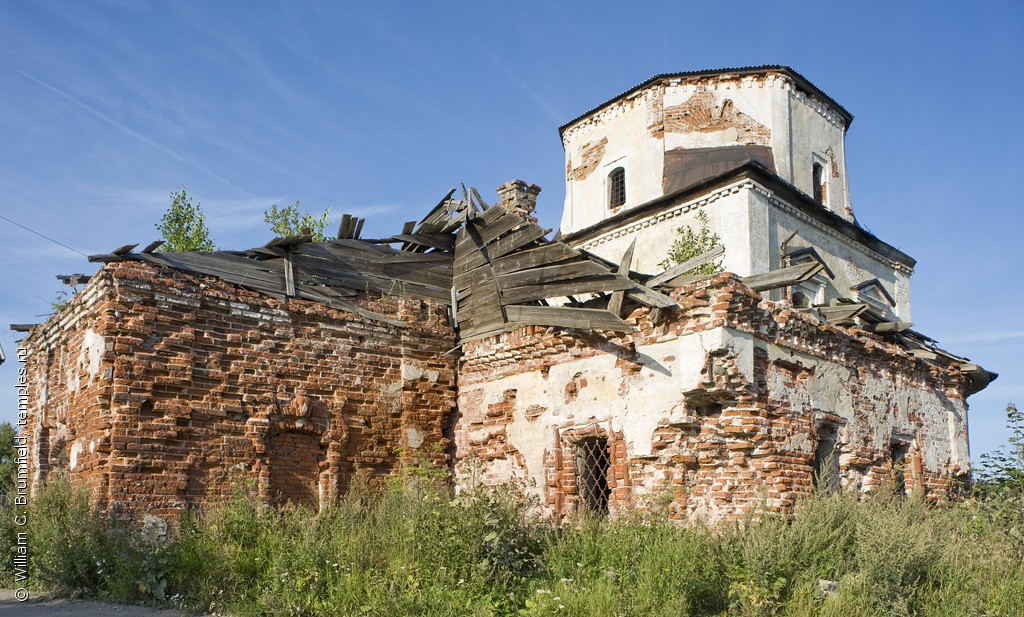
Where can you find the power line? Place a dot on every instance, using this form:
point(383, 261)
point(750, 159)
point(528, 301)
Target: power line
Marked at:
point(43, 236)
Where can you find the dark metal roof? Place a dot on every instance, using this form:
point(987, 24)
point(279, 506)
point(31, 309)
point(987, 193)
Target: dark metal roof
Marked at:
point(802, 82)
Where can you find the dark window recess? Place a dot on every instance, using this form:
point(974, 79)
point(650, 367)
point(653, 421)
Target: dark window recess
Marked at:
point(899, 466)
point(617, 187)
point(708, 409)
point(592, 463)
point(818, 182)
point(800, 300)
point(826, 461)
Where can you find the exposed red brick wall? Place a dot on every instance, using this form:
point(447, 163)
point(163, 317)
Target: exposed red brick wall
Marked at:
point(201, 382)
point(702, 113)
point(735, 444)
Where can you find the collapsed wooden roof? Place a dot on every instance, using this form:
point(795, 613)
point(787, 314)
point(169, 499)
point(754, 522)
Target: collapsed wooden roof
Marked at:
point(496, 270)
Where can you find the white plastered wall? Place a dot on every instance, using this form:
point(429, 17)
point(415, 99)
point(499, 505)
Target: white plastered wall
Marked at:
point(874, 405)
point(630, 144)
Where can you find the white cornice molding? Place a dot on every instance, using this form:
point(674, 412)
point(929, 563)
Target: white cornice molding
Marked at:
point(665, 215)
point(731, 189)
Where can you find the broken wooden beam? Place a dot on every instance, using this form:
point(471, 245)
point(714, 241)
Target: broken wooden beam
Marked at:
point(785, 277)
point(666, 277)
point(124, 250)
point(343, 226)
point(566, 317)
point(152, 246)
point(107, 258)
point(842, 314)
point(887, 326)
point(615, 304)
point(73, 279)
point(23, 327)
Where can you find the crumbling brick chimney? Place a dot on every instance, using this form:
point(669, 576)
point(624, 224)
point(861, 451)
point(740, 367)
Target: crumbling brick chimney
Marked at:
point(521, 198)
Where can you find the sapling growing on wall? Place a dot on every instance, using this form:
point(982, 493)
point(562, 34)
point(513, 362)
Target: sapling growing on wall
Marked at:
point(692, 243)
point(1002, 472)
point(288, 221)
point(183, 226)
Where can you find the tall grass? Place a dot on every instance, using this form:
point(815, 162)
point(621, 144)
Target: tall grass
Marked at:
point(414, 550)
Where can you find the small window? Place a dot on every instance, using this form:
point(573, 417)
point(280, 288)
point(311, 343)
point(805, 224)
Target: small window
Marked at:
point(800, 300)
point(592, 463)
point(818, 183)
point(898, 459)
point(617, 187)
point(826, 461)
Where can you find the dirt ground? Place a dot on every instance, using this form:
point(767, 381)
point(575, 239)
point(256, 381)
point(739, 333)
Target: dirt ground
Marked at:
point(34, 607)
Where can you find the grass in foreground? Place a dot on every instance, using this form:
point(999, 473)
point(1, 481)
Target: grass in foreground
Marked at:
point(413, 550)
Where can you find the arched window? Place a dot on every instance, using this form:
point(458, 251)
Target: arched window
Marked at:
point(818, 182)
point(826, 460)
point(617, 187)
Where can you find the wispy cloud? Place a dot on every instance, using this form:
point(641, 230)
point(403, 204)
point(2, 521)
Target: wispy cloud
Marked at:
point(542, 102)
point(122, 127)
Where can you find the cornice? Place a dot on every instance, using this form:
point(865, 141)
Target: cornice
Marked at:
point(743, 184)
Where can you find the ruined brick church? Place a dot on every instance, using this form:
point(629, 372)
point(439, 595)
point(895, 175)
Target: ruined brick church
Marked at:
point(575, 366)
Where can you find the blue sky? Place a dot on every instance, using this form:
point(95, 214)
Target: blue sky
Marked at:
point(377, 109)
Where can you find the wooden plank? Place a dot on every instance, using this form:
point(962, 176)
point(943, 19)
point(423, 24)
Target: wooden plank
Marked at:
point(408, 227)
point(471, 258)
point(648, 297)
point(684, 279)
point(476, 315)
point(152, 246)
point(841, 314)
point(686, 266)
point(289, 276)
point(289, 240)
point(107, 258)
point(481, 235)
point(325, 272)
point(784, 277)
point(339, 292)
point(431, 274)
point(23, 327)
point(513, 263)
point(924, 354)
point(73, 279)
point(452, 224)
point(615, 304)
point(548, 274)
point(246, 272)
point(436, 214)
point(124, 250)
point(585, 319)
point(492, 214)
point(343, 226)
point(359, 228)
point(887, 326)
point(479, 199)
point(438, 241)
point(590, 284)
point(361, 254)
point(544, 255)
